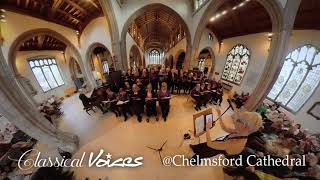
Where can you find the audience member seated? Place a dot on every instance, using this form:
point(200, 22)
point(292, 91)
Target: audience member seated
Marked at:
point(240, 100)
point(279, 137)
point(13, 143)
point(89, 103)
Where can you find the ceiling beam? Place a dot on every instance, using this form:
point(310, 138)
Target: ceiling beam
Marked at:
point(77, 6)
point(69, 15)
point(56, 5)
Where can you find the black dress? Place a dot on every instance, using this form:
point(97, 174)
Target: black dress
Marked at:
point(151, 103)
point(138, 104)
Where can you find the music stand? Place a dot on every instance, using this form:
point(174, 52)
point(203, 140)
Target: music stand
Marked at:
point(159, 150)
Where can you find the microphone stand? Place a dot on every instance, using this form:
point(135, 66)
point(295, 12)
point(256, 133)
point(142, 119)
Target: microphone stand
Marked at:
point(229, 107)
point(159, 150)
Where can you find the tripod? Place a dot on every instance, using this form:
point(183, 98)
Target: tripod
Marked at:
point(159, 150)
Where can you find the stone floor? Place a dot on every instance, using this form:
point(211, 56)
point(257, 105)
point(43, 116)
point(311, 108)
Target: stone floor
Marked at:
point(123, 139)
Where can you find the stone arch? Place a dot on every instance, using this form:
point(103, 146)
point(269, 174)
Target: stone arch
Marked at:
point(18, 109)
point(140, 12)
point(88, 59)
point(28, 34)
point(181, 54)
point(278, 45)
point(212, 58)
point(72, 63)
point(135, 49)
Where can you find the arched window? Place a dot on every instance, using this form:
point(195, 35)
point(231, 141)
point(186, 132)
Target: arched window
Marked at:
point(199, 3)
point(154, 57)
point(236, 65)
point(201, 64)
point(210, 37)
point(46, 72)
point(105, 67)
point(298, 78)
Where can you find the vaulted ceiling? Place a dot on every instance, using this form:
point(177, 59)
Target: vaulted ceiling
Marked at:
point(75, 14)
point(42, 42)
point(247, 18)
point(242, 17)
point(156, 28)
point(308, 15)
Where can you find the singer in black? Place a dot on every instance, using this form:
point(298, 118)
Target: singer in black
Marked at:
point(154, 79)
point(204, 95)
point(137, 101)
point(195, 94)
point(151, 103)
point(124, 98)
point(219, 91)
point(112, 98)
point(164, 100)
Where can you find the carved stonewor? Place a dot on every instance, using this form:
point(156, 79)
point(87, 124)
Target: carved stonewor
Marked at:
point(25, 82)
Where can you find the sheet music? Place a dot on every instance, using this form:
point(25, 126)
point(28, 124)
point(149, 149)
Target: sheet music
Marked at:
point(209, 118)
point(199, 124)
point(122, 102)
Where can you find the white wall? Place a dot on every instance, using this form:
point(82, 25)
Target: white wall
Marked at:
point(97, 31)
point(24, 70)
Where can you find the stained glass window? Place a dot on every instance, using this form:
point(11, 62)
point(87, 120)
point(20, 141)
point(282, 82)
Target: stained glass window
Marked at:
point(201, 64)
point(105, 67)
point(154, 57)
point(47, 73)
point(236, 64)
point(298, 78)
point(210, 37)
point(199, 3)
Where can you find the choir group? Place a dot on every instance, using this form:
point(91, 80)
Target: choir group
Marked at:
point(143, 88)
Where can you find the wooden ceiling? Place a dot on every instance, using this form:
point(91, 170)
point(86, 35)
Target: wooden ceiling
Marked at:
point(247, 19)
point(156, 28)
point(308, 16)
point(75, 14)
point(42, 42)
point(252, 18)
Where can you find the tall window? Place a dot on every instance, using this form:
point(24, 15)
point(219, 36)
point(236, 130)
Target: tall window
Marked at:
point(154, 57)
point(236, 65)
point(201, 64)
point(199, 3)
point(105, 67)
point(298, 78)
point(210, 37)
point(47, 73)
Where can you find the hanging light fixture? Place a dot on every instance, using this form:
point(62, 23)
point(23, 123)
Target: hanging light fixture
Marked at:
point(2, 15)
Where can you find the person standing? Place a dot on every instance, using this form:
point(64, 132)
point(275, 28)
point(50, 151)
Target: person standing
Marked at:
point(164, 100)
point(124, 106)
point(112, 99)
point(137, 102)
point(154, 78)
point(196, 95)
point(151, 103)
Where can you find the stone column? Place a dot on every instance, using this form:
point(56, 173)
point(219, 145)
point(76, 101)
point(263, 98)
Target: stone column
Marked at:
point(16, 107)
point(188, 59)
point(119, 60)
point(276, 58)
